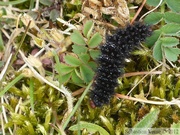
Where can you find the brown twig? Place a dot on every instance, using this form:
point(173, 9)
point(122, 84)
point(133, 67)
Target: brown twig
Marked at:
point(141, 73)
point(139, 10)
point(78, 92)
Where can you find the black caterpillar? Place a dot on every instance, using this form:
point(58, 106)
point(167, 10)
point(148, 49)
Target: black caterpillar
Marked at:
point(116, 49)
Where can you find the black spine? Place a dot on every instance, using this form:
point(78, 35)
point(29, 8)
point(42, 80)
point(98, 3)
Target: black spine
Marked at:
point(117, 48)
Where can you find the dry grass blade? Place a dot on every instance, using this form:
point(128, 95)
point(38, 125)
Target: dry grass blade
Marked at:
point(143, 78)
point(62, 89)
point(5, 67)
point(172, 102)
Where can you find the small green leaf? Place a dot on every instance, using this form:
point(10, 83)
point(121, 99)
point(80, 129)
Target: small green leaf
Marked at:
point(169, 41)
point(171, 17)
point(95, 40)
point(72, 60)
point(77, 49)
point(94, 54)
point(92, 128)
point(88, 27)
point(150, 41)
point(76, 79)
point(171, 53)
point(77, 38)
point(46, 2)
point(84, 57)
point(86, 73)
point(65, 78)
point(153, 18)
point(157, 50)
point(153, 2)
point(64, 69)
point(146, 122)
point(173, 5)
point(54, 14)
point(171, 29)
point(93, 65)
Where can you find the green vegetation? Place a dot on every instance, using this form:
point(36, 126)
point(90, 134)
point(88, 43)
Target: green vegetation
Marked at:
point(48, 53)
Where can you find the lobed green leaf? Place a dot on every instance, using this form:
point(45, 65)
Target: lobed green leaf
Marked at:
point(86, 73)
point(171, 29)
point(88, 27)
point(153, 2)
point(65, 78)
point(84, 57)
point(153, 18)
point(77, 38)
point(72, 60)
point(174, 5)
point(93, 65)
point(78, 49)
point(64, 69)
point(95, 40)
point(171, 17)
point(171, 53)
point(157, 50)
point(94, 54)
point(169, 41)
point(150, 41)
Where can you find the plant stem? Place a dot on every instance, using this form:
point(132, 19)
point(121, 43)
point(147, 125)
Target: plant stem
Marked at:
point(14, 57)
point(22, 40)
point(76, 106)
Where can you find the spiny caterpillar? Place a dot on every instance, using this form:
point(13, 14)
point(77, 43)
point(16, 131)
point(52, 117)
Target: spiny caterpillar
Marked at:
point(116, 49)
